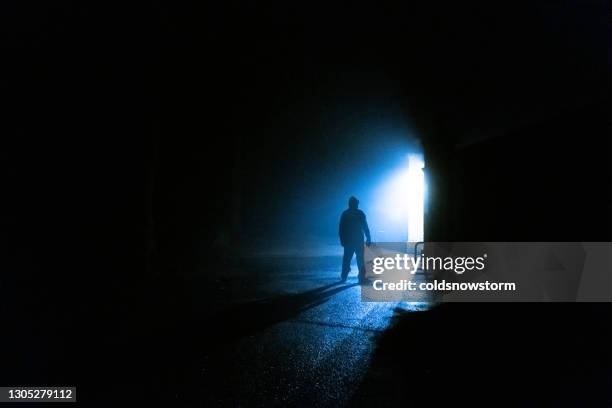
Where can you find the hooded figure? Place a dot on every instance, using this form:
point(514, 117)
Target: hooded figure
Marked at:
point(353, 226)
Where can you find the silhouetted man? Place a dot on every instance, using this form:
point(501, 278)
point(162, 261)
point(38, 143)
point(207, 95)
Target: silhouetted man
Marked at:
point(353, 226)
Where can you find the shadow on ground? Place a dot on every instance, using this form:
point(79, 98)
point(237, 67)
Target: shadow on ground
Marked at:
point(251, 317)
point(211, 350)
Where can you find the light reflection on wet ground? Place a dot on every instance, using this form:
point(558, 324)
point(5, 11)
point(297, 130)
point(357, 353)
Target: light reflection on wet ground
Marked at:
point(307, 336)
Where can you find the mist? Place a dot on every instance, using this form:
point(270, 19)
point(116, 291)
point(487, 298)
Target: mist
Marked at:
point(342, 140)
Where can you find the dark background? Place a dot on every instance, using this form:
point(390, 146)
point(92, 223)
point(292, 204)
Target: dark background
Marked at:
point(141, 140)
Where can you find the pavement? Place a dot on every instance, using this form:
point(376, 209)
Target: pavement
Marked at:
point(291, 333)
point(284, 331)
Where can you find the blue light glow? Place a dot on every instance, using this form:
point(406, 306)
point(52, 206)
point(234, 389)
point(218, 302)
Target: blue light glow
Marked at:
point(398, 203)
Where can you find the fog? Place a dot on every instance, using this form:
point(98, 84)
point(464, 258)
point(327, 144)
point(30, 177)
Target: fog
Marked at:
point(339, 141)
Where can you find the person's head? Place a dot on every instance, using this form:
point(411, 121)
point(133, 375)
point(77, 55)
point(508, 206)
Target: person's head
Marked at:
point(353, 202)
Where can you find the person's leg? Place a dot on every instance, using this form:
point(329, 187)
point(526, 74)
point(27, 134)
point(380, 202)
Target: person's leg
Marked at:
point(346, 261)
point(360, 262)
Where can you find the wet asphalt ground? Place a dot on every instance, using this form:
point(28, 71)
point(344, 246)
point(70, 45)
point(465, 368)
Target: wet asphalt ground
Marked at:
point(283, 331)
point(290, 333)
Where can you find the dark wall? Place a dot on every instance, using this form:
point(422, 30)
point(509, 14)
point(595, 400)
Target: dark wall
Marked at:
point(546, 181)
point(80, 104)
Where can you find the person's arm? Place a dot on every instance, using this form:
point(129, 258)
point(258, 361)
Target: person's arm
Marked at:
point(366, 230)
point(341, 229)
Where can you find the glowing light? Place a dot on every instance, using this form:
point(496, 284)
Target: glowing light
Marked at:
point(395, 196)
point(415, 198)
point(400, 203)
